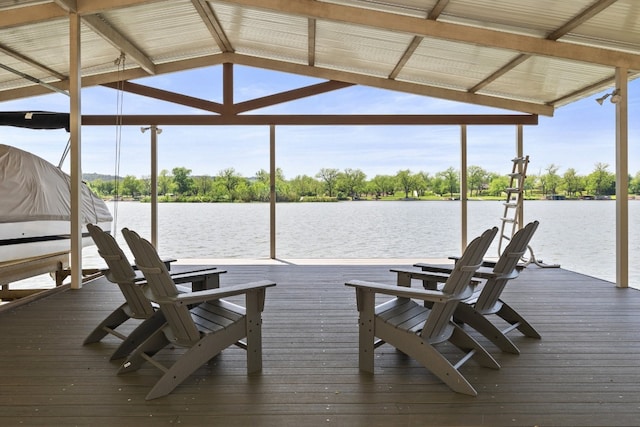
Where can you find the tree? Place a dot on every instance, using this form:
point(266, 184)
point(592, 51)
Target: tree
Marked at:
point(182, 180)
point(422, 182)
point(229, 180)
point(405, 181)
point(304, 185)
point(476, 178)
point(165, 183)
point(383, 185)
point(203, 184)
point(600, 181)
point(572, 182)
point(329, 177)
point(450, 180)
point(551, 178)
point(352, 182)
point(498, 185)
point(634, 184)
point(130, 185)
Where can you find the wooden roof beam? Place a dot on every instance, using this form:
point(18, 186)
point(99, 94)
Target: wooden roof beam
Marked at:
point(32, 63)
point(213, 24)
point(167, 96)
point(584, 16)
point(311, 120)
point(395, 85)
point(311, 34)
point(287, 96)
point(101, 27)
point(449, 31)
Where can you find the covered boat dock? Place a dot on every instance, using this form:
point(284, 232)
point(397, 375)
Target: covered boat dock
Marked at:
point(583, 372)
point(528, 57)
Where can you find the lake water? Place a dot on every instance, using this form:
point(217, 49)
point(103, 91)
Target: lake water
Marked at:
point(578, 235)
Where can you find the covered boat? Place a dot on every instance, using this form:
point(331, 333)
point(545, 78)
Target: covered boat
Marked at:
point(35, 217)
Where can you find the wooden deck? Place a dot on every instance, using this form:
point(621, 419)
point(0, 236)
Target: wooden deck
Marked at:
point(584, 372)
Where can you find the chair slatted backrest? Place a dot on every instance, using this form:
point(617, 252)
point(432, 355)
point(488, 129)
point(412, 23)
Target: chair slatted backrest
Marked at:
point(458, 283)
point(505, 268)
point(162, 286)
point(121, 272)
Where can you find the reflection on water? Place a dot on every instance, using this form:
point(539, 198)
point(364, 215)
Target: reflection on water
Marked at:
point(579, 235)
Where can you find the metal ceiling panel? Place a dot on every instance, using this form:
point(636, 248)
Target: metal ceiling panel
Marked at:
point(544, 80)
point(417, 8)
point(537, 17)
point(616, 27)
point(158, 30)
point(351, 36)
point(359, 49)
point(266, 34)
point(41, 42)
point(454, 65)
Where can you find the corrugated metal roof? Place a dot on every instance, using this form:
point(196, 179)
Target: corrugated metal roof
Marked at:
point(456, 49)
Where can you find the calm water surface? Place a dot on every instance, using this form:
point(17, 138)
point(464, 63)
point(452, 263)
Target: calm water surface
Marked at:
point(578, 235)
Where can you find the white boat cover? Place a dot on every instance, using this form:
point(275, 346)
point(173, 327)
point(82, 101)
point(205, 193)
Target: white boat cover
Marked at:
point(32, 189)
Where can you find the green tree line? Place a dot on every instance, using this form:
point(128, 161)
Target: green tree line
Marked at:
point(352, 184)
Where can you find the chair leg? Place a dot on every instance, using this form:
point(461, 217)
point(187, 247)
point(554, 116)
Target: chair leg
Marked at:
point(467, 314)
point(156, 342)
point(253, 333)
point(366, 330)
point(437, 364)
point(192, 359)
point(115, 319)
point(512, 317)
point(139, 335)
point(466, 343)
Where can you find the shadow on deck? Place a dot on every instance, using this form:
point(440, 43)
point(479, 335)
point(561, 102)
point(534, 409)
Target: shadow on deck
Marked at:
point(584, 372)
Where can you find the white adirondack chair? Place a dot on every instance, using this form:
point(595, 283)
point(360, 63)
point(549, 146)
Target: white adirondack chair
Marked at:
point(132, 285)
point(201, 321)
point(408, 324)
point(485, 301)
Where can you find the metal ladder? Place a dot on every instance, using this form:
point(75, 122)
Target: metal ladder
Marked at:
point(513, 208)
point(513, 205)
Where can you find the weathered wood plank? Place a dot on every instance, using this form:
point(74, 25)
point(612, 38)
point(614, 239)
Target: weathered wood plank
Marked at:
point(584, 371)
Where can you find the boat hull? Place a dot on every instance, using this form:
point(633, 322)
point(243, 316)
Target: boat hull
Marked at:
point(32, 239)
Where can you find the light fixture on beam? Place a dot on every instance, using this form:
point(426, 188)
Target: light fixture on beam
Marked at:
point(615, 97)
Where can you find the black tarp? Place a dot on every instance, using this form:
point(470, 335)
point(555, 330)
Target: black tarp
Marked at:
point(35, 119)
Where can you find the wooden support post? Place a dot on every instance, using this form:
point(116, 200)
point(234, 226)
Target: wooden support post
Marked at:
point(75, 127)
point(272, 190)
point(622, 180)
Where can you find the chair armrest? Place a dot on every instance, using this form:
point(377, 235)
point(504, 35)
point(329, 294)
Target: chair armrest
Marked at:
point(401, 291)
point(190, 276)
point(217, 293)
point(483, 272)
point(421, 275)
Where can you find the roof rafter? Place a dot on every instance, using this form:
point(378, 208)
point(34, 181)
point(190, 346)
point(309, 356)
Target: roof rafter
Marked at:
point(384, 83)
point(433, 15)
point(301, 69)
point(211, 21)
point(587, 14)
point(166, 95)
point(101, 27)
point(449, 31)
point(31, 62)
point(312, 27)
point(290, 95)
point(31, 15)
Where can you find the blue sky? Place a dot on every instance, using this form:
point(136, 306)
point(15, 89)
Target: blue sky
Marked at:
point(578, 136)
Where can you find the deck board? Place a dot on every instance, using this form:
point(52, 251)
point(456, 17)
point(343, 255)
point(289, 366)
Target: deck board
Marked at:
point(585, 371)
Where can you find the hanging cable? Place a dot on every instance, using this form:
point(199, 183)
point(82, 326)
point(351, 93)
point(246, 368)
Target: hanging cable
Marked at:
point(65, 153)
point(120, 63)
